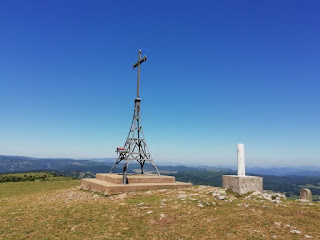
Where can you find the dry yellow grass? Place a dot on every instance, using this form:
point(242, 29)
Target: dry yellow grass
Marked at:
point(192, 213)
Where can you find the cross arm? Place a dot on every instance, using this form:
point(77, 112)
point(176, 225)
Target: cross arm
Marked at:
point(139, 61)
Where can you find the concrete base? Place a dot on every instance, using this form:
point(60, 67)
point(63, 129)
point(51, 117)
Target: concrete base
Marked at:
point(111, 183)
point(242, 184)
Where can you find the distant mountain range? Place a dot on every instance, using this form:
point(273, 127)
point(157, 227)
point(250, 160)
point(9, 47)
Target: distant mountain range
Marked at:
point(91, 165)
point(21, 164)
point(306, 171)
point(94, 165)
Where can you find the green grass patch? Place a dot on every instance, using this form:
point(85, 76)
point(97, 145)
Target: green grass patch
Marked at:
point(31, 176)
point(17, 189)
point(309, 186)
point(145, 198)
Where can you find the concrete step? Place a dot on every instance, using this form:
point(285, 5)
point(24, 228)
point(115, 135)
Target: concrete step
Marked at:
point(108, 188)
point(135, 178)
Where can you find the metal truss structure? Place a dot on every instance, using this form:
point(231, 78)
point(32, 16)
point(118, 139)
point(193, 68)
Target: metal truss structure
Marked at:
point(135, 147)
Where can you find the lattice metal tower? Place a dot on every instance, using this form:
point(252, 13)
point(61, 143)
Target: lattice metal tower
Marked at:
point(135, 147)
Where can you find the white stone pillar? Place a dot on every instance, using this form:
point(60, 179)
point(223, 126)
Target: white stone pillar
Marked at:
point(241, 160)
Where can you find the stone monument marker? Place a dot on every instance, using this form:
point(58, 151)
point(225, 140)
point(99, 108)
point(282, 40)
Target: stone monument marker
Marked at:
point(241, 162)
point(241, 183)
point(305, 194)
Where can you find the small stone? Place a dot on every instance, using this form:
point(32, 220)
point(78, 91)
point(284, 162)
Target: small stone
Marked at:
point(149, 212)
point(307, 236)
point(278, 224)
point(295, 231)
point(256, 193)
point(274, 236)
point(140, 204)
point(182, 196)
point(162, 215)
point(162, 190)
point(222, 197)
point(200, 205)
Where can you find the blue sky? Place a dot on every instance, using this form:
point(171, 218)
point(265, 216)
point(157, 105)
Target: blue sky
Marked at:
point(218, 73)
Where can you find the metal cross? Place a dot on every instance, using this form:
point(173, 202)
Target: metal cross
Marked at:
point(135, 147)
point(137, 64)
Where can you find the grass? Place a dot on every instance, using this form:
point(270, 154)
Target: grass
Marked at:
point(309, 186)
point(31, 176)
point(58, 210)
point(20, 189)
point(26, 174)
point(314, 197)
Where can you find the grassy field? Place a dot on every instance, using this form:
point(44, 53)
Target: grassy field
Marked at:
point(59, 210)
point(21, 189)
point(27, 174)
point(31, 176)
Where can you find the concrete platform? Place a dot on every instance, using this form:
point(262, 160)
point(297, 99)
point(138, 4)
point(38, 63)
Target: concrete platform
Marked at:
point(111, 183)
point(242, 184)
point(135, 178)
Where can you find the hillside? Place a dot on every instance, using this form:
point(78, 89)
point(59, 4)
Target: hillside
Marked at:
point(60, 210)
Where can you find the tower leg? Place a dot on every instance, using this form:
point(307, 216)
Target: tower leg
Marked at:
point(141, 165)
point(155, 167)
point(125, 167)
point(119, 160)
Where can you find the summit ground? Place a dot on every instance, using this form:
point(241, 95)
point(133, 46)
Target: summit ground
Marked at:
point(59, 210)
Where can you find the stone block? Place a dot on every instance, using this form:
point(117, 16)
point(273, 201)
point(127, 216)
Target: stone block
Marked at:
point(305, 194)
point(242, 184)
